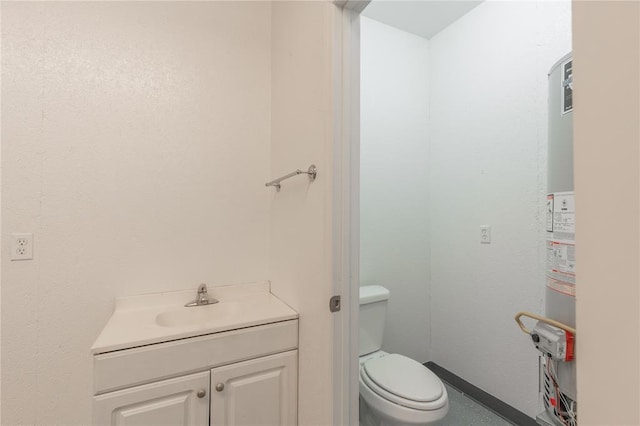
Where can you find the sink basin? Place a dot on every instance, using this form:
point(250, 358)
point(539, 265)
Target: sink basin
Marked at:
point(197, 315)
point(161, 317)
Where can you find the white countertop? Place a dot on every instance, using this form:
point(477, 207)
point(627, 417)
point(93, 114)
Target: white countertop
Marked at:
point(137, 320)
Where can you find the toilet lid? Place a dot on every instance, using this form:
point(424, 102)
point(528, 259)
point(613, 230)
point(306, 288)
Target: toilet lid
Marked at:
point(404, 377)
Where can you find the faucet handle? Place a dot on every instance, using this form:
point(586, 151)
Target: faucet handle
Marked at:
point(202, 288)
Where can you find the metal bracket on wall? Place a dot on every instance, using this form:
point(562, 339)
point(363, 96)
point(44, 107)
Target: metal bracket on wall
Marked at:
point(334, 304)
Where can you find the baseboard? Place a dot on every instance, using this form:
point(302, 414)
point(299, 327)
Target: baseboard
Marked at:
point(502, 409)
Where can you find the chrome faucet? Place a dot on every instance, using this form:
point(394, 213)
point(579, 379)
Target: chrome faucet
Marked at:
point(201, 298)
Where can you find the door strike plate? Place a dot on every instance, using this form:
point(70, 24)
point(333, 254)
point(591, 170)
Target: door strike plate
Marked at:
point(334, 304)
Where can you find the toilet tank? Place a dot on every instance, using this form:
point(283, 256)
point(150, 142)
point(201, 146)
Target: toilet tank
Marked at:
point(373, 313)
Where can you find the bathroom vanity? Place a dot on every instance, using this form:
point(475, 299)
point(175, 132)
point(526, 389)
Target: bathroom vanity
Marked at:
point(235, 362)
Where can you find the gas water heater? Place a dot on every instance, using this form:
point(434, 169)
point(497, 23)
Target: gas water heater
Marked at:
point(555, 333)
point(559, 378)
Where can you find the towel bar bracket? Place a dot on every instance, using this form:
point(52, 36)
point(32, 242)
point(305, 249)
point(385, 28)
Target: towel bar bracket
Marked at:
point(312, 172)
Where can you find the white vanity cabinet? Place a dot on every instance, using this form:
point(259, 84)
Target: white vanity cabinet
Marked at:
point(233, 363)
point(248, 377)
point(261, 391)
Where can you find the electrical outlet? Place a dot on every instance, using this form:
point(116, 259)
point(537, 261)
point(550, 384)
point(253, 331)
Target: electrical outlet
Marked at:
point(21, 246)
point(485, 234)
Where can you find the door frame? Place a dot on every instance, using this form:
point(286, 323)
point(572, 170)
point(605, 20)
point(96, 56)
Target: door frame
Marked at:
point(346, 212)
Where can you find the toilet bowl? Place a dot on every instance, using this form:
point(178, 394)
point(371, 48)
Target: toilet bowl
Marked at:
point(394, 390)
point(399, 391)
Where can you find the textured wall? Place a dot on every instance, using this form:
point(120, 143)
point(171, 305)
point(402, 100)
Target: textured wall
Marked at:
point(301, 213)
point(488, 87)
point(135, 146)
point(394, 190)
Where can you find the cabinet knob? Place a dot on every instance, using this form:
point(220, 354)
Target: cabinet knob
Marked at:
point(201, 393)
point(220, 387)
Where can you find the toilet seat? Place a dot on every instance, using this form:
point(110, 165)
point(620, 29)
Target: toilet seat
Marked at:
point(404, 381)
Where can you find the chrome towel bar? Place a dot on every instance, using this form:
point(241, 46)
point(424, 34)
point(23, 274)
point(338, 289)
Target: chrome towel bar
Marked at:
point(312, 172)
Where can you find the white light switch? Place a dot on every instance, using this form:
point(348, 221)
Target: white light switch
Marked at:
point(485, 234)
point(21, 246)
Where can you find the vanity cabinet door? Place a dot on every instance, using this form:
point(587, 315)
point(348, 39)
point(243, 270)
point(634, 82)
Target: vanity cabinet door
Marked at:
point(183, 401)
point(263, 391)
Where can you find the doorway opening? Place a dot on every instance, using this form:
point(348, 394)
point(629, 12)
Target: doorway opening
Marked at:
point(453, 183)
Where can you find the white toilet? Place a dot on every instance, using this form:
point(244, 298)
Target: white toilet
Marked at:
point(394, 390)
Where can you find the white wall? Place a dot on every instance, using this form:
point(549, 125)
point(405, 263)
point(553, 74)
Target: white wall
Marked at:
point(394, 196)
point(488, 88)
point(607, 155)
point(135, 146)
point(301, 254)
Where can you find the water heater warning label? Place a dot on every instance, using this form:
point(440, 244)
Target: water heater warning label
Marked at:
point(561, 230)
point(563, 216)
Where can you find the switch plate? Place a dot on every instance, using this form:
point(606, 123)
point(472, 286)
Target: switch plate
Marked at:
point(21, 246)
point(485, 234)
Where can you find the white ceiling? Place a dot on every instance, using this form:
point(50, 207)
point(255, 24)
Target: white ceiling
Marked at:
point(424, 17)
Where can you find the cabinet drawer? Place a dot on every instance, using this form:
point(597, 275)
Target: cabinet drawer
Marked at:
point(120, 369)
